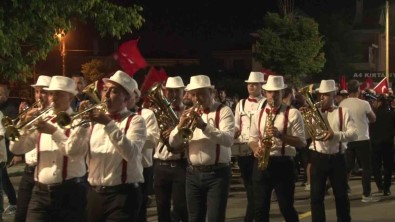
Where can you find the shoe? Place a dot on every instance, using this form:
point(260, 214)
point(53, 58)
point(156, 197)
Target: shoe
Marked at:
point(10, 210)
point(369, 199)
point(387, 193)
point(307, 187)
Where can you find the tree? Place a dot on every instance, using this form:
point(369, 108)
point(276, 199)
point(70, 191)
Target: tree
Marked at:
point(27, 28)
point(290, 46)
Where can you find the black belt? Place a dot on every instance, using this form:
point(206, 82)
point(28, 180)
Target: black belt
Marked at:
point(171, 163)
point(281, 158)
point(116, 188)
point(29, 169)
point(56, 186)
point(207, 168)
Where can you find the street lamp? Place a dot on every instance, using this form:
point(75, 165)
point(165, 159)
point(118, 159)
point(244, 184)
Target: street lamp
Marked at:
point(60, 34)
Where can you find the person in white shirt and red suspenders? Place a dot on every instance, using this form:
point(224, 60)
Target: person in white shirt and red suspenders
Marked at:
point(208, 172)
point(59, 193)
point(244, 115)
point(27, 181)
point(283, 126)
point(169, 167)
point(327, 156)
point(113, 145)
point(148, 149)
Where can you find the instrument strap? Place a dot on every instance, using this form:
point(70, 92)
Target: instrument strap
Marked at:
point(217, 116)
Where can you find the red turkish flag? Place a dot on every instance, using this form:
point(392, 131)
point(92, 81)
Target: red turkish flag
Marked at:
point(368, 84)
point(130, 58)
point(382, 86)
point(154, 75)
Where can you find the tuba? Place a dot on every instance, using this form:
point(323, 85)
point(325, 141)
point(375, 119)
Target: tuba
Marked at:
point(165, 115)
point(313, 120)
point(266, 141)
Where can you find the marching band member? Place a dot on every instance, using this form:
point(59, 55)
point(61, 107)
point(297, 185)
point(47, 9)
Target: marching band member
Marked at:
point(209, 173)
point(3, 160)
point(284, 127)
point(148, 148)
point(27, 181)
point(244, 115)
point(113, 146)
point(327, 156)
point(59, 193)
point(170, 168)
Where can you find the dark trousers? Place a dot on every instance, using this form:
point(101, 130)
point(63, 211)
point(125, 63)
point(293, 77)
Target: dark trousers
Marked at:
point(246, 164)
point(280, 176)
point(114, 204)
point(8, 187)
point(169, 186)
point(334, 167)
point(362, 151)
point(64, 202)
point(148, 177)
point(24, 193)
point(207, 193)
point(382, 156)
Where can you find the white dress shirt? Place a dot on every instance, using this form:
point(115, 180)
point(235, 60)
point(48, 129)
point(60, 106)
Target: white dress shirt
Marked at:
point(107, 147)
point(244, 117)
point(152, 136)
point(346, 134)
point(52, 152)
point(295, 127)
point(202, 147)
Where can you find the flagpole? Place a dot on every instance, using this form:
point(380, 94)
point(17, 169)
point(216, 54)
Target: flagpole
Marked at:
point(387, 74)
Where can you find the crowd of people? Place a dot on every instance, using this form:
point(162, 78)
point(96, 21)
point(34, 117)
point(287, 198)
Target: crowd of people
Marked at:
point(99, 159)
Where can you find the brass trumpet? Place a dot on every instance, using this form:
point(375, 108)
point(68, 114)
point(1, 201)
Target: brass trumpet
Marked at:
point(65, 121)
point(14, 131)
point(7, 121)
point(188, 128)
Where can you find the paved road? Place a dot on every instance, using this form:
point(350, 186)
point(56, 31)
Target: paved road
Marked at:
point(383, 211)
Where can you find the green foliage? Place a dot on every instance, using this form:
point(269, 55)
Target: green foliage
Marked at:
point(290, 46)
point(97, 69)
point(27, 28)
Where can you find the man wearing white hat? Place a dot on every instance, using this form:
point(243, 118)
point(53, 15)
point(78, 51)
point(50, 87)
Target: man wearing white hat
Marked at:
point(59, 193)
point(170, 166)
point(208, 152)
point(27, 182)
point(284, 127)
point(327, 156)
point(244, 115)
point(114, 145)
point(362, 114)
point(148, 149)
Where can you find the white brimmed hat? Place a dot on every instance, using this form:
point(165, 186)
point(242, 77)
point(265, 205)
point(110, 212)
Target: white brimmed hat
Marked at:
point(174, 82)
point(186, 88)
point(327, 86)
point(42, 81)
point(123, 79)
point(256, 77)
point(62, 83)
point(274, 83)
point(199, 81)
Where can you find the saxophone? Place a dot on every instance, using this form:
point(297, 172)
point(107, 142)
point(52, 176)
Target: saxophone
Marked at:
point(266, 141)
